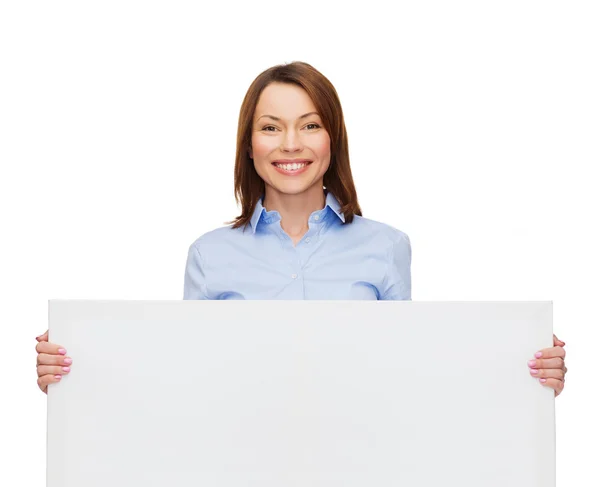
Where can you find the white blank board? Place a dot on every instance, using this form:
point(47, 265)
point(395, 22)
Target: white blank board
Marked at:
point(300, 394)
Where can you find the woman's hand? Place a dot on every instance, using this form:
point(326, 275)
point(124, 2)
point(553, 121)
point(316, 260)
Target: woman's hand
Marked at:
point(52, 362)
point(549, 366)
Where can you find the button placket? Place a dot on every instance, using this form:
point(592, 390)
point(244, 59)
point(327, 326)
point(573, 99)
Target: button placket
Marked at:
point(295, 261)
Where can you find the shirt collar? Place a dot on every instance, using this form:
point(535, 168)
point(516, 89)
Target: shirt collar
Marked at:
point(269, 216)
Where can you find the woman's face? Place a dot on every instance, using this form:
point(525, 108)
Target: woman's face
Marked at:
point(290, 147)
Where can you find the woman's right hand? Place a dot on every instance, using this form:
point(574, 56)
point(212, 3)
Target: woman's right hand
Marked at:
point(52, 362)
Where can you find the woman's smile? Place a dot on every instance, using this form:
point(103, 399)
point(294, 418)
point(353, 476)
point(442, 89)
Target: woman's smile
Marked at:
point(290, 168)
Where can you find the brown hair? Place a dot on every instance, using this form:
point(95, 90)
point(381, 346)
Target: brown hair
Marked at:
point(248, 185)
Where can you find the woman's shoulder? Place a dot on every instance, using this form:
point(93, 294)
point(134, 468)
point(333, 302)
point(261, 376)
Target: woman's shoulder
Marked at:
point(218, 237)
point(382, 231)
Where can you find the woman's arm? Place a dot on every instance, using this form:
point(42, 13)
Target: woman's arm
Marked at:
point(194, 286)
point(397, 282)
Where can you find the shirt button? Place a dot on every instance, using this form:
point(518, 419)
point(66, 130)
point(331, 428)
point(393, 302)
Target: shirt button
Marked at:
point(294, 276)
point(307, 239)
point(316, 217)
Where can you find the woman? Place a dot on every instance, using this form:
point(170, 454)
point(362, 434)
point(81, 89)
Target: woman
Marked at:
point(301, 234)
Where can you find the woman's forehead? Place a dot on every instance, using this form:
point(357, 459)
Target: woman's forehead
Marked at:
point(284, 100)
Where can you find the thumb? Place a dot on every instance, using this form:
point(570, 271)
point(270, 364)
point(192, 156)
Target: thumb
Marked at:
point(43, 337)
point(558, 342)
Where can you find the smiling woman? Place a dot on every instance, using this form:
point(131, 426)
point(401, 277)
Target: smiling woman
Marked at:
point(301, 233)
point(304, 132)
point(291, 114)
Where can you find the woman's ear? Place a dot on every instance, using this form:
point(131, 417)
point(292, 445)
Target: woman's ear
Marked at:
point(250, 152)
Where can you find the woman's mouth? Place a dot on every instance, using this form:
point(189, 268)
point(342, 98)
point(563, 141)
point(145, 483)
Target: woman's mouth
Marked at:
point(291, 168)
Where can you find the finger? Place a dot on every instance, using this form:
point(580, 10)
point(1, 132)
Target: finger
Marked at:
point(51, 348)
point(53, 370)
point(43, 337)
point(548, 373)
point(551, 352)
point(46, 359)
point(547, 363)
point(558, 342)
point(45, 380)
point(555, 384)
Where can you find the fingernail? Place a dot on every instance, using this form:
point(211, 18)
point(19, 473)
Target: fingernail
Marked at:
point(531, 363)
point(542, 380)
point(538, 354)
point(533, 371)
point(66, 369)
point(62, 351)
point(68, 361)
point(58, 377)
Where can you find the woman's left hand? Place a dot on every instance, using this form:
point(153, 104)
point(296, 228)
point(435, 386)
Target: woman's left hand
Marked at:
point(549, 366)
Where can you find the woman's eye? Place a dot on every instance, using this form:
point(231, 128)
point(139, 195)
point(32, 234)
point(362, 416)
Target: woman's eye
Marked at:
point(270, 128)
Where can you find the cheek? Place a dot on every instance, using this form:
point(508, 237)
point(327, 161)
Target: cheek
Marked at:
point(322, 147)
point(262, 147)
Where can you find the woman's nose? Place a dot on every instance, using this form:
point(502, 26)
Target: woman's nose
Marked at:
point(291, 142)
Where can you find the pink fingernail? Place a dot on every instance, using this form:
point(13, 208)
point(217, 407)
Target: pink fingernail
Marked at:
point(68, 361)
point(533, 371)
point(538, 354)
point(62, 351)
point(542, 380)
point(66, 369)
point(531, 363)
point(58, 377)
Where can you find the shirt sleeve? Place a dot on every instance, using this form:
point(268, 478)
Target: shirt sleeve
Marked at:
point(397, 283)
point(194, 285)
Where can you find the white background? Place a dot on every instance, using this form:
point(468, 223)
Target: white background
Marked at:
point(474, 127)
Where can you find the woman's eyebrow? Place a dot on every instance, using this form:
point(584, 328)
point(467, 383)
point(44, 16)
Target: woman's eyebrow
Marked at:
point(278, 119)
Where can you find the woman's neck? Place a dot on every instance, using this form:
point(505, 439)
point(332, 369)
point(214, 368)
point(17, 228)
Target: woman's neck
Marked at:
point(295, 209)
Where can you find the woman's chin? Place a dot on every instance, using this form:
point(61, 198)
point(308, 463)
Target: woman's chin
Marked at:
point(292, 187)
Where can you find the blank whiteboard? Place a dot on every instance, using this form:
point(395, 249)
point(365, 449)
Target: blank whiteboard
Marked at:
point(300, 394)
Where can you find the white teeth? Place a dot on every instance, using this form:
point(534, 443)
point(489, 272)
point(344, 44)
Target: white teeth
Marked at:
point(291, 167)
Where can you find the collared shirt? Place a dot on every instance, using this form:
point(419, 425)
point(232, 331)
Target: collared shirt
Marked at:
point(364, 259)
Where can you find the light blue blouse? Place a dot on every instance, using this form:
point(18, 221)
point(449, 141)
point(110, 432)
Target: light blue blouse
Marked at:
point(364, 259)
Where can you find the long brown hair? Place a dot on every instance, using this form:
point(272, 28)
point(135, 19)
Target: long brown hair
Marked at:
point(249, 187)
